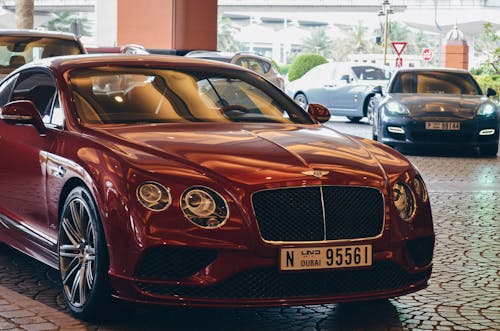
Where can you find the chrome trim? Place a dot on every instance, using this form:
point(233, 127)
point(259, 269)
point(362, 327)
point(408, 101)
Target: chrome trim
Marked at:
point(16, 117)
point(323, 213)
point(35, 235)
point(321, 241)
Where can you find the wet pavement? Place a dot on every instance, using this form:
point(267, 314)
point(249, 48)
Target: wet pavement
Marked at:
point(464, 293)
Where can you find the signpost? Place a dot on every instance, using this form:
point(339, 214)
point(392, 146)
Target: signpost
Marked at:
point(399, 47)
point(427, 54)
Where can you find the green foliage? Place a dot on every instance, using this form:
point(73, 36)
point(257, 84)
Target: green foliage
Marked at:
point(318, 42)
point(487, 80)
point(63, 22)
point(303, 63)
point(284, 68)
point(225, 35)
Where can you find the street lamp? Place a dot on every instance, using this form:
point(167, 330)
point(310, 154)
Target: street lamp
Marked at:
point(386, 10)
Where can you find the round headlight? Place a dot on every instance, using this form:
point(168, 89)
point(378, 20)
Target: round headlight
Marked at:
point(204, 207)
point(486, 109)
point(154, 196)
point(403, 200)
point(420, 189)
point(395, 108)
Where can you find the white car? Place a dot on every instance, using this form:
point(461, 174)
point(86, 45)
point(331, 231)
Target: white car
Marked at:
point(346, 89)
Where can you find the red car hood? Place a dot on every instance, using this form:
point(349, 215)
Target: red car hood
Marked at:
point(255, 153)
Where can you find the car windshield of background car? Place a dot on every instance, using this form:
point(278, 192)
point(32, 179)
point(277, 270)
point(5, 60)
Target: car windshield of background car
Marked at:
point(435, 83)
point(370, 73)
point(18, 50)
point(130, 95)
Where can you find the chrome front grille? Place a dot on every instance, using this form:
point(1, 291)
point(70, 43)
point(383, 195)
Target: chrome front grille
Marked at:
point(319, 213)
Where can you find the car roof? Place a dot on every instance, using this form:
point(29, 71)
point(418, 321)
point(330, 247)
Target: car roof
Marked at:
point(68, 62)
point(435, 69)
point(37, 33)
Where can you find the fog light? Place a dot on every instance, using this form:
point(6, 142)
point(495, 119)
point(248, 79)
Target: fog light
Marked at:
point(396, 129)
point(487, 132)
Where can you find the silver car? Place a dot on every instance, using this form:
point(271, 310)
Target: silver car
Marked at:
point(260, 64)
point(346, 89)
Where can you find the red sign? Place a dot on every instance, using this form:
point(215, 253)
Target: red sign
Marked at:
point(427, 54)
point(399, 62)
point(399, 46)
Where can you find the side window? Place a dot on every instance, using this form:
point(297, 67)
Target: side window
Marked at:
point(6, 89)
point(39, 88)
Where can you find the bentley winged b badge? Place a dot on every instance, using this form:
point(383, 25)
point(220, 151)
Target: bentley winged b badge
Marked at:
point(316, 173)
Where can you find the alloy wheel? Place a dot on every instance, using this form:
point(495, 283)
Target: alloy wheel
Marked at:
point(77, 253)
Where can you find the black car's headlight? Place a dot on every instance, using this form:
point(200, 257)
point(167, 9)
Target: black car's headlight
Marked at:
point(204, 207)
point(487, 109)
point(154, 196)
point(404, 200)
point(395, 108)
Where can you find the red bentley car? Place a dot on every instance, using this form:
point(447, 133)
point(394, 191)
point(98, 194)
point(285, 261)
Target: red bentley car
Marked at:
point(176, 181)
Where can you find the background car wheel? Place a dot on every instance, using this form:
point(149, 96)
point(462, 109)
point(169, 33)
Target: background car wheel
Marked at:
point(489, 150)
point(301, 100)
point(83, 257)
point(354, 119)
point(369, 108)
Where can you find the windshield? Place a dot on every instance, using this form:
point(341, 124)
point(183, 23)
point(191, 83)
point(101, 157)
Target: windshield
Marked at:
point(370, 73)
point(137, 95)
point(18, 50)
point(435, 82)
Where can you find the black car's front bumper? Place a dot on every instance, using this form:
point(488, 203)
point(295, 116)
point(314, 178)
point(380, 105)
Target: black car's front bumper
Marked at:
point(411, 132)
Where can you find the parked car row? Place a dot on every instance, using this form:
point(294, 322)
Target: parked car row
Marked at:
point(181, 181)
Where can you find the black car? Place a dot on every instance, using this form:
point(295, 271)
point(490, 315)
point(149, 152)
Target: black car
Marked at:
point(436, 108)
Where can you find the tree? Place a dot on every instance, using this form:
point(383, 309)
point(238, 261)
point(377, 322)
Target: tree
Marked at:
point(64, 21)
point(318, 42)
point(489, 45)
point(24, 14)
point(225, 36)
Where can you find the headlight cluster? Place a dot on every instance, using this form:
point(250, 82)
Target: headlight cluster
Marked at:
point(204, 207)
point(201, 205)
point(405, 200)
point(395, 108)
point(154, 196)
point(487, 109)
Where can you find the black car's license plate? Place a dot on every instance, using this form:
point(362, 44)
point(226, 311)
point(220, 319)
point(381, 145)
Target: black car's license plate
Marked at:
point(326, 257)
point(451, 126)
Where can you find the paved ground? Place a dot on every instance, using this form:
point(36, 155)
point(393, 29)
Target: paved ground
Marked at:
point(464, 293)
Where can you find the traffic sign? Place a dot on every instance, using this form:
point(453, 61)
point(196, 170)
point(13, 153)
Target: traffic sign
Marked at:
point(427, 54)
point(399, 62)
point(399, 46)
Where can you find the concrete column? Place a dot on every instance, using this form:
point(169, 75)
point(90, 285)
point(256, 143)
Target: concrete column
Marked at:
point(170, 24)
point(106, 22)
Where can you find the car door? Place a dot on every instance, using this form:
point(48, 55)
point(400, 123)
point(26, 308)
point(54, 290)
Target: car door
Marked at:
point(23, 202)
point(347, 94)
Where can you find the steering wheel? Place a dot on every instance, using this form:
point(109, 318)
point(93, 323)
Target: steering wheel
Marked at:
point(235, 109)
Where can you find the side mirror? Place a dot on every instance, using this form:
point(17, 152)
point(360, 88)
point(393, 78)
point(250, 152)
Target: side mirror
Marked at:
point(490, 92)
point(346, 78)
point(377, 89)
point(22, 112)
point(318, 112)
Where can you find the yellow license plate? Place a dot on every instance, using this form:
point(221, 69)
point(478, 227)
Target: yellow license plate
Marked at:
point(332, 257)
point(449, 126)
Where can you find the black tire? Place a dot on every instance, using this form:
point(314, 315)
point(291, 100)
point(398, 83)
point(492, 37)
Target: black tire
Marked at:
point(354, 119)
point(488, 150)
point(370, 108)
point(83, 257)
point(301, 100)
